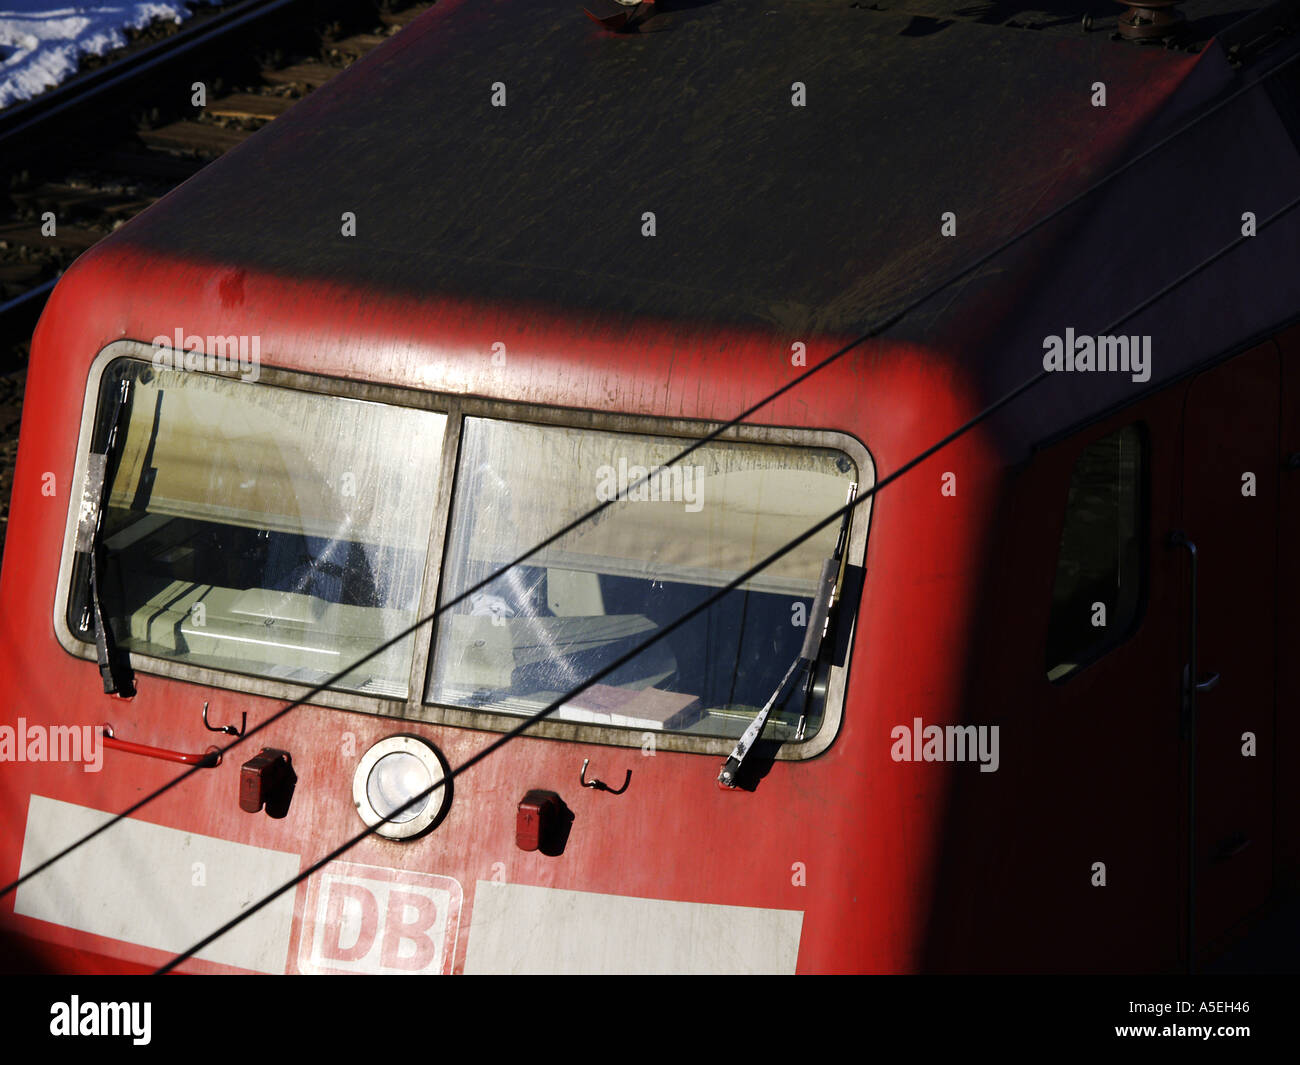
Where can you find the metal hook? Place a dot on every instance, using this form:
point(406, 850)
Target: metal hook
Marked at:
point(229, 730)
point(600, 785)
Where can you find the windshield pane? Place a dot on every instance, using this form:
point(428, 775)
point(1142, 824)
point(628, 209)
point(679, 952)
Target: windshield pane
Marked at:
point(267, 531)
point(575, 607)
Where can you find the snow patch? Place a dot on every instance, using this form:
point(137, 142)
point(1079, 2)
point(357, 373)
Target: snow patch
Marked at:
point(41, 44)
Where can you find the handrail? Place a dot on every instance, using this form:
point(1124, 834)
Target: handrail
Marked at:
point(209, 759)
point(1190, 687)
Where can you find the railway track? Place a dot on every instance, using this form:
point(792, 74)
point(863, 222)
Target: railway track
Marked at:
point(82, 159)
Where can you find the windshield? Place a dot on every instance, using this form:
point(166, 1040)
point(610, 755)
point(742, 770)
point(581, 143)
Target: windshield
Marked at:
point(581, 603)
point(265, 530)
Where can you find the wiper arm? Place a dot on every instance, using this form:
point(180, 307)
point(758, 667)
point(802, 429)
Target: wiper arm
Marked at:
point(828, 585)
point(114, 666)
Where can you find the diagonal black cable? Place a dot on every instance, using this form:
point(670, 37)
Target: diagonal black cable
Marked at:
point(624, 659)
point(886, 323)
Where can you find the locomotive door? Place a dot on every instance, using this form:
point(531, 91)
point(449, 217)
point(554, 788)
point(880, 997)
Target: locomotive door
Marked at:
point(1229, 539)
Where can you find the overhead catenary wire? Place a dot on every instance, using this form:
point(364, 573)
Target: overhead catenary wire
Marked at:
point(838, 515)
point(871, 332)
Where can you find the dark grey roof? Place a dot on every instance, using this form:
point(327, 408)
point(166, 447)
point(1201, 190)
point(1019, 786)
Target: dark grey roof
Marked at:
point(811, 220)
point(765, 212)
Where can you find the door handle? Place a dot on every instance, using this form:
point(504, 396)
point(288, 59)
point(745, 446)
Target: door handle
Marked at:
point(1208, 684)
point(1230, 847)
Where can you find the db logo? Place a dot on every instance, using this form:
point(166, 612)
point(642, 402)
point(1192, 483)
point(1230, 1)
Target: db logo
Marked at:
point(362, 919)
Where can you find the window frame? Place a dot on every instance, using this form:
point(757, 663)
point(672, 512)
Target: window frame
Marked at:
point(456, 408)
point(1142, 526)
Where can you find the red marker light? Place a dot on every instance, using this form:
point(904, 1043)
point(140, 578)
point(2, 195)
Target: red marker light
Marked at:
point(537, 811)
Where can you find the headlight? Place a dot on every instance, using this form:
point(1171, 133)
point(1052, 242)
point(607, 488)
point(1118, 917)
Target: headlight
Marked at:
point(393, 771)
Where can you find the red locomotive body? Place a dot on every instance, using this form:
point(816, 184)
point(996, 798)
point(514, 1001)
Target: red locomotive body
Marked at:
point(509, 264)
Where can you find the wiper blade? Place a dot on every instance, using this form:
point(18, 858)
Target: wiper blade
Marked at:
point(114, 665)
point(736, 760)
point(828, 585)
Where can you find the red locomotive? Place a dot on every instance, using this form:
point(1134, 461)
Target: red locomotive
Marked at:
point(502, 273)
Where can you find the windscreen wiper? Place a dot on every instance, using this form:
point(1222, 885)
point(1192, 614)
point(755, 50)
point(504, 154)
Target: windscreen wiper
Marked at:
point(828, 585)
point(114, 666)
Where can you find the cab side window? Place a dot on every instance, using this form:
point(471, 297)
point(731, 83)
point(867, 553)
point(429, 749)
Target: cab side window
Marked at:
point(1097, 595)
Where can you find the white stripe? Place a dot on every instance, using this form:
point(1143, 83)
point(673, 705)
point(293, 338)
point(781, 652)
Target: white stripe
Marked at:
point(136, 882)
point(520, 929)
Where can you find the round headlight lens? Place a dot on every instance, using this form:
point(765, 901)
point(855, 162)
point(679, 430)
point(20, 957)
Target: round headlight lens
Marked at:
point(395, 780)
point(392, 773)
